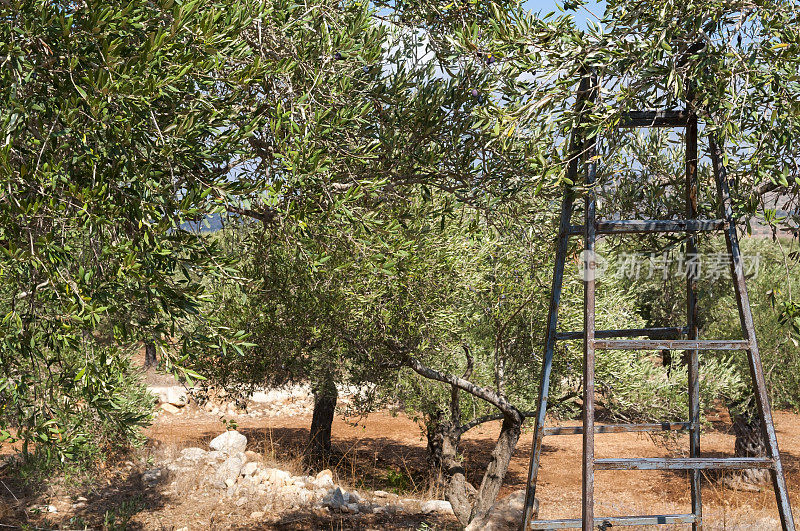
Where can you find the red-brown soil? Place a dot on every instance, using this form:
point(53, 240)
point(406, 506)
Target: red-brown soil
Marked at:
point(385, 451)
point(384, 442)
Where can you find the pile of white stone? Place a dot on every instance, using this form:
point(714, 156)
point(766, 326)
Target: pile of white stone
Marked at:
point(171, 399)
point(231, 471)
point(288, 401)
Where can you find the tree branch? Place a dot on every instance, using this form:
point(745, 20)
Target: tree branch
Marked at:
point(267, 216)
point(464, 428)
point(475, 390)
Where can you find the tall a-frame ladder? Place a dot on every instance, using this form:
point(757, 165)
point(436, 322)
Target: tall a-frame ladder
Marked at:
point(583, 152)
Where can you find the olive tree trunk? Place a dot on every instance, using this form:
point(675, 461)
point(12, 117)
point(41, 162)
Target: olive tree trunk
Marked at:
point(436, 430)
point(470, 505)
point(150, 355)
point(750, 443)
point(325, 397)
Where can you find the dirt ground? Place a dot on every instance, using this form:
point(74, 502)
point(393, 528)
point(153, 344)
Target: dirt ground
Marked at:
point(390, 449)
point(386, 451)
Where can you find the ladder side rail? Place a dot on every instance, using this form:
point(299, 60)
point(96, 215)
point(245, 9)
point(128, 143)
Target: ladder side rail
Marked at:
point(590, 205)
point(576, 143)
point(691, 190)
point(748, 328)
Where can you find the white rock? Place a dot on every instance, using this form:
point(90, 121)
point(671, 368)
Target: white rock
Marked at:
point(303, 496)
point(193, 454)
point(381, 494)
point(230, 442)
point(256, 515)
point(437, 506)
point(260, 397)
point(324, 480)
point(177, 396)
point(52, 509)
point(251, 455)
point(279, 477)
point(169, 408)
point(504, 514)
point(215, 482)
point(323, 483)
point(230, 470)
point(250, 468)
point(159, 392)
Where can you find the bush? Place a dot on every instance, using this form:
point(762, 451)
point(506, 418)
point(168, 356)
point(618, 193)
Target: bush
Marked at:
point(94, 410)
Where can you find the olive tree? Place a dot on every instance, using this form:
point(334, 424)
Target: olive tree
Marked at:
point(120, 123)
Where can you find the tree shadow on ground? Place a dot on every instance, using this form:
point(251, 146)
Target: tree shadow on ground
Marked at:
point(106, 499)
point(372, 463)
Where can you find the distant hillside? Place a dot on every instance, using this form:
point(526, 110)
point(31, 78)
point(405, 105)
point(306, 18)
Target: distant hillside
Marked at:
point(209, 224)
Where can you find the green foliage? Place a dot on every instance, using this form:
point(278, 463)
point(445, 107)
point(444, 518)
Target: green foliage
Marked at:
point(397, 480)
point(118, 123)
point(772, 288)
point(118, 518)
point(93, 414)
point(386, 172)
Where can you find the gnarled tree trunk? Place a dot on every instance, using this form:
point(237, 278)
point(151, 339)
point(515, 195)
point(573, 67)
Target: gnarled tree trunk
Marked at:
point(150, 355)
point(436, 430)
point(325, 396)
point(498, 466)
point(471, 505)
point(458, 491)
point(750, 443)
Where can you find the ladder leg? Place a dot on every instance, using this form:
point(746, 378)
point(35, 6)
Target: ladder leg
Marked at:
point(547, 363)
point(587, 512)
point(691, 321)
point(552, 316)
point(754, 358)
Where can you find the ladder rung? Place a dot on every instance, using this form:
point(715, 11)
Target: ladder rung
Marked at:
point(684, 463)
point(655, 119)
point(620, 428)
point(670, 344)
point(610, 521)
point(665, 332)
point(636, 226)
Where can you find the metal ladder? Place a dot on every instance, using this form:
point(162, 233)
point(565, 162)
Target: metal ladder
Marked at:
point(583, 150)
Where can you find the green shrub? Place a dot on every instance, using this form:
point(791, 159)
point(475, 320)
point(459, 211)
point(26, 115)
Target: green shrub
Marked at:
point(94, 410)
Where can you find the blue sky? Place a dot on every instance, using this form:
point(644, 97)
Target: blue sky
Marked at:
point(545, 6)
